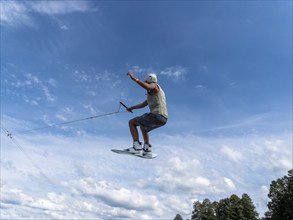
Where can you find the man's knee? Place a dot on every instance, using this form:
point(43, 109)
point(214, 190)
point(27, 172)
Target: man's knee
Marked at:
point(132, 122)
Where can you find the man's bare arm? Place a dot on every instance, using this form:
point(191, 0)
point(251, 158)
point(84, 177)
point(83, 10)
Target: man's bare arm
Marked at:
point(138, 106)
point(147, 86)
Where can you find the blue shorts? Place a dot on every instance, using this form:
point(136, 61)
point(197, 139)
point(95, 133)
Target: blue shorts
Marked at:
point(150, 121)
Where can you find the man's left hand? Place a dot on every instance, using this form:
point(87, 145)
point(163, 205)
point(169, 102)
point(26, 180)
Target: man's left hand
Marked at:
point(132, 76)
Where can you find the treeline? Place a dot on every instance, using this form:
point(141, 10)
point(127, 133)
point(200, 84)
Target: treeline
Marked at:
point(280, 206)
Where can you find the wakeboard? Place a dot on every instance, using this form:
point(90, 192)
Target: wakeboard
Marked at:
point(124, 152)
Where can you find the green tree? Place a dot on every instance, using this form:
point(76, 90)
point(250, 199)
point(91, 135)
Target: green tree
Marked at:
point(236, 208)
point(223, 209)
point(232, 208)
point(178, 217)
point(204, 210)
point(249, 211)
point(281, 196)
point(196, 215)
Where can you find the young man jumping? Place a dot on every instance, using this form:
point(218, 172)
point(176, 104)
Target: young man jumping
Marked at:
point(157, 116)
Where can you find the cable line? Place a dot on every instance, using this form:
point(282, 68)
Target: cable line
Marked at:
point(11, 136)
point(27, 155)
point(77, 120)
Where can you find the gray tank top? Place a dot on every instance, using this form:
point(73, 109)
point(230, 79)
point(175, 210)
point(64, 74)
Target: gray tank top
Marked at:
point(157, 103)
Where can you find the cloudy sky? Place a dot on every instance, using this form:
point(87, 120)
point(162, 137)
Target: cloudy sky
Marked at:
point(225, 66)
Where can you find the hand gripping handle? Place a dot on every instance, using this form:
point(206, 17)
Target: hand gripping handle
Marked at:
point(125, 106)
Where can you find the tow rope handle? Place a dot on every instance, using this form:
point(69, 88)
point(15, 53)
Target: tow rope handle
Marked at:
point(125, 107)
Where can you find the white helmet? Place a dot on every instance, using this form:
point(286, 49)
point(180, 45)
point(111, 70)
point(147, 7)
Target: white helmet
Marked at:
point(151, 78)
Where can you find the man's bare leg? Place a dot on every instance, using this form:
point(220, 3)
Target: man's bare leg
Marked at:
point(133, 130)
point(145, 135)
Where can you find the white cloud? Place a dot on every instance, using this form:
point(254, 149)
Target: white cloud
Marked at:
point(64, 27)
point(274, 145)
point(200, 87)
point(229, 183)
point(30, 101)
point(264, 190)
point(138, 69)
point(60, 7)
point(177, 174)
point(47, 93)
point(232, 154)
point(98, 183)
point(18, 204)
point(33, 80)
point(280, 154)
point(175, 72)
point(115, 196)
point(244, 122)
point(103, 78)
point(24, 84)
point(15, 13)
point(179, 205)
point(13, 196)
point(53, 82)
point(223, 186)
point(185, 176)
point(90, 108)
point(64, 113)
point(61, 117)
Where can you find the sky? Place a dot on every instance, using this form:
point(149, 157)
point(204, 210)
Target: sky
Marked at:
point(225, 67)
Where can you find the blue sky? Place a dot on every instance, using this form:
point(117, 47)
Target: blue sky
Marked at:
point(225, 66)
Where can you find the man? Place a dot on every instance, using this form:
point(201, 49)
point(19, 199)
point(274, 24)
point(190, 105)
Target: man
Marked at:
point(157, 117)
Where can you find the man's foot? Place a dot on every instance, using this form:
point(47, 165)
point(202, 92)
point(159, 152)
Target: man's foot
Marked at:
point(135, 149)
point(147, 150)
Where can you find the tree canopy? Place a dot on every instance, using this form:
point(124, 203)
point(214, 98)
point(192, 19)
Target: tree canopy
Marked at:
point(233, 208)
point(281, 196)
